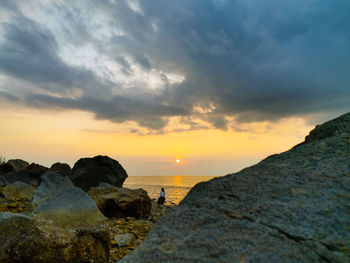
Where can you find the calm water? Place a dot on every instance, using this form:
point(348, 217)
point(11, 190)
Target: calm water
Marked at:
point(176, 187)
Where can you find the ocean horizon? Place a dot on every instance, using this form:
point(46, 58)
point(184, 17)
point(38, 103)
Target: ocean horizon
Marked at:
point(176, 186)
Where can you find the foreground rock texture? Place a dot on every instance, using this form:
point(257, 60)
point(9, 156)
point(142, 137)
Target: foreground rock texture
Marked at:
point(65, 227)
point(121, 202)
point(291, 207)
point(24, 239)
point(90, 172)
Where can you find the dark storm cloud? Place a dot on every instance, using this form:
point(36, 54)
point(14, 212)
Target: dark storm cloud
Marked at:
point(30, 53)
point(145, 111)
point(254, 60)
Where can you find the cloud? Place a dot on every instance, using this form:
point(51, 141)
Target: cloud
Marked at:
point(148, 61)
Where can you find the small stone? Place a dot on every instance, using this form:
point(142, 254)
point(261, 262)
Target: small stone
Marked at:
point(123, 240)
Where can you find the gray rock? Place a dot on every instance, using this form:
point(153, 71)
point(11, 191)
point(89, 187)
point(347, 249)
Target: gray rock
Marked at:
point(71, 206)
point(20, 176)
point(330, 128)
point(121, 202)
point(18, 190)
point(90, 172)
point(6, 217)
point(291, 207)
point(51, 185)
point(24, 239)
point(61, 169)
point(123, 240)
point(18, 164)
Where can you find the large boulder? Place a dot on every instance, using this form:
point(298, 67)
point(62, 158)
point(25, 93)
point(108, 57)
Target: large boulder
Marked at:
point(72, 206)
point(51, 185)
point(90, 172)
point(291, 207)
point(29, 239)
point(61, 169)
point(65, 228)
point(20, 239)
point(5, 168)
point(36, 170)
point(18, 164)
point(13, 165)
point(18, 190)
point(19, 176)
point(121, 202)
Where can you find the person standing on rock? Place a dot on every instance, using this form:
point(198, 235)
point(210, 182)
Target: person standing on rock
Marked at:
point(161, 198)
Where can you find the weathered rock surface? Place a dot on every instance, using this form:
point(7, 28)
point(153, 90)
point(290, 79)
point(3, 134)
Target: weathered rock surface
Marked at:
point(13, 165)
point(18, 190)
point(65, 228)
point(333, 128)
point(20, 239)
point(71, 207)
point(36, 170)
point(90, 172)
point(20, 176)
point(291, 207)
point(18, 164)
point(51, 185)
point(61, 169)
point(24, 239)
point(121, 202)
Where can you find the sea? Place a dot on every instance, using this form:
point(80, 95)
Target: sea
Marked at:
point(176, 187)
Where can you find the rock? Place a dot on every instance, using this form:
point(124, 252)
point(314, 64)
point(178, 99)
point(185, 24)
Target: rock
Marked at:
point(90, 172)
point(61, 169)
point(291, 207)
point(121, 202)
point(70, 207)
point(36, 171)
point(13, 165)
point(329, 129)
point(51, 185)
point(18, 164)
point(158, 211)
point(20, 176)
point(6, 168)
point(18, 190)
point(123, 240)
point(24, 239)
point(20, 239)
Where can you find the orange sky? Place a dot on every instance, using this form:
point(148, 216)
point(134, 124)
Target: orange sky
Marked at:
point(48, 136)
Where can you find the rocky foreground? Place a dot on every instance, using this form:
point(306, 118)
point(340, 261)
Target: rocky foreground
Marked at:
point(60, 214)
point(291, 207)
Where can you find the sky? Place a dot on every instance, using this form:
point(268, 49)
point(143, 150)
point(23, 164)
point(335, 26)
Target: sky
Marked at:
point(217, 84)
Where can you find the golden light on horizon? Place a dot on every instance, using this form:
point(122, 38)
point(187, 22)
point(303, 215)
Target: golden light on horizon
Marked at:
point(46, 137)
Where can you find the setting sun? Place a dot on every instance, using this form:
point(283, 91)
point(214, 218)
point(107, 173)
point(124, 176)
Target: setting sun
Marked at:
point(177, 160)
